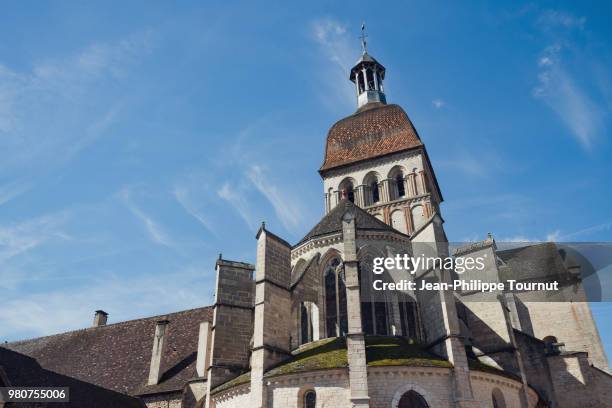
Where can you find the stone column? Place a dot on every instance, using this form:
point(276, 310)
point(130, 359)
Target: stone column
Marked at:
point(524, 391)
point(386, 216)
point(355, 338)
point(360, 196)
point(232, 326)
point(413, 185)
point(423, 181)
point(272, 327)
point(428, 209)
point(441, 323)
point(375, 75)
point(385, 194)
point(203, 358)
point(365, 80)
point(409, 222)
point(396, 316)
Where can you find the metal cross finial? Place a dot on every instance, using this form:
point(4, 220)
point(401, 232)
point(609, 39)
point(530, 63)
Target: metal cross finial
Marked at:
point(363, 36)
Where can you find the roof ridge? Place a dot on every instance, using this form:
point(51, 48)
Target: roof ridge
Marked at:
point(335, 215)
point(91, 328)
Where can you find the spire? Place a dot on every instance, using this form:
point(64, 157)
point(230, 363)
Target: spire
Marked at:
point(364, 44)
point(368, 75)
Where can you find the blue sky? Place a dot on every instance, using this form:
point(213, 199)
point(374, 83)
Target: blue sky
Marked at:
point(138, 140)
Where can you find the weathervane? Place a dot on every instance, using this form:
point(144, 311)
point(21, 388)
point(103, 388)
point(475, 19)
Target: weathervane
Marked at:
point(363, 36)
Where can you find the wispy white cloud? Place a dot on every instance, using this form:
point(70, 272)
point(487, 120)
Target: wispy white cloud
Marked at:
point(564, 82)
point(239, 202)
point(154, 230)
point(487, 161)
point(12, 190)
point(559, 90)
point(286, 209)
point(340, 48)
point(182, 195)
point(18, 240)
point(334, 40)
point(558, 236)
point(553, 18)
point(584, 232)
point(465, 164)
point(438, 103)
point(28, 314)
point(518, 239)
point(52, 112)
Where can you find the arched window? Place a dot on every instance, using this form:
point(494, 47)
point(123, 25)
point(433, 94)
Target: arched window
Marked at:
point(370, 75)
point(498, 399)
point(370, 181)
point(360, 82)
point(336, 321)
point(412, 399)
point(399, 184)
point(375, 192)
point(409, 317)
point(310, 399)
point(347, 190)
point(343, 317)
point(305, 325)
point(374, 313)
point(350, 194)
point(330, 303)
point(380, 315)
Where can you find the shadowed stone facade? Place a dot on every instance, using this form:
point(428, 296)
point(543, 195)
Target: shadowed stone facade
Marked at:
point(298, 329)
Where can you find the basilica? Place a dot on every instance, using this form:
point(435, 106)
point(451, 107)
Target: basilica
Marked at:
point(300, 329)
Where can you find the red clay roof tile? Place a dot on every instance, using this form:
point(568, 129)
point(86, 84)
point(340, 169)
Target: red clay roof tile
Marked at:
point(374, 131)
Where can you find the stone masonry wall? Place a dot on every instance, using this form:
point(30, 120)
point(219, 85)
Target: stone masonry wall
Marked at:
point(233, 316)
point(570, 323)
point(163, 401)
point(387, 385)
point(578, 384)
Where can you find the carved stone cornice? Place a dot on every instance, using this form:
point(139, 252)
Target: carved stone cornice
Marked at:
point(402, 202)
point(374, 162)
point(327, 240)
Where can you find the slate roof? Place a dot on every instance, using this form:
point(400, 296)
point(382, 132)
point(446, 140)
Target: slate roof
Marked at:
point(374, 130)
point(25, 371)
point(332, 222)
point(365, 57)
point(117, 356)
point(534, 262)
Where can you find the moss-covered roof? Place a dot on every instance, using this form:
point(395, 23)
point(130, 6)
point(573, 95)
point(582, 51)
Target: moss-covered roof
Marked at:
point(381, 351)
point(241, 379)
point(398, 351)
point(477, 365)
point(319, 355)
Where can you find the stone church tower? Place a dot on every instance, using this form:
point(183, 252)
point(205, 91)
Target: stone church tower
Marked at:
point(302, 328)
point(376, 159)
